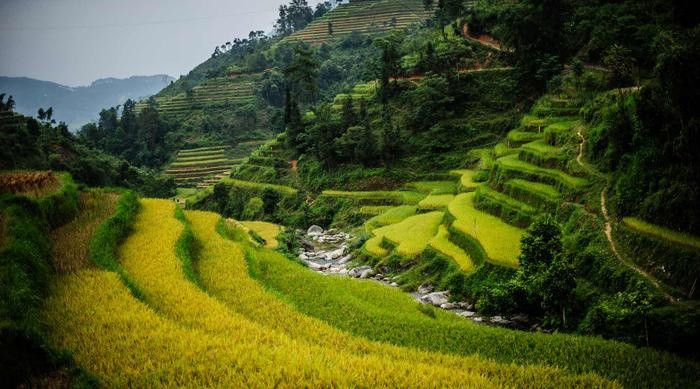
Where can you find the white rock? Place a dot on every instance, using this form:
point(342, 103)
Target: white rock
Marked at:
point(366, 273)
point(315, 266)
point(448, 306)
point(358, 270)
point(394, 284)
point(314, 230)
point(436, 298)
point(465, 305)
point(303, 257)
point(467, 313)
point(335, 254)
point(477, 319)
point(425, 288)
point(343, 271)
point(345, 259)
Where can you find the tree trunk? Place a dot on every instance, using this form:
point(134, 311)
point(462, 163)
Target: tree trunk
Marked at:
point(563, 315)
point(646, 330)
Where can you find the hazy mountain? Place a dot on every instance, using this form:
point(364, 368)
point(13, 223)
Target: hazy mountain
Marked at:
point(78, 105)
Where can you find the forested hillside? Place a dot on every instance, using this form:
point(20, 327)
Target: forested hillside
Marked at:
point(484, 193)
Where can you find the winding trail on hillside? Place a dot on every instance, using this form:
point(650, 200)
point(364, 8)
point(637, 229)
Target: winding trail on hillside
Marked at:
point(608, 228)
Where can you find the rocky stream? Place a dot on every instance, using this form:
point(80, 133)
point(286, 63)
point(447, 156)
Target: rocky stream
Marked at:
point(328, 252)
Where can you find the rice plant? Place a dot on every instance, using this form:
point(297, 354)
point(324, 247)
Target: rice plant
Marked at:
point(413, 234)
point(267, 231)
point(500, 240)
point(442, 244)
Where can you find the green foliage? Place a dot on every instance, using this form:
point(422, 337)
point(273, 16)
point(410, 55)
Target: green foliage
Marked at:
point(293, 17)
point(30, 144)
point(544, 282)
point(104, 245)
point(187, 249)
point(674, 264)
point(253, 209)
point(25, 272)
point(302, 73)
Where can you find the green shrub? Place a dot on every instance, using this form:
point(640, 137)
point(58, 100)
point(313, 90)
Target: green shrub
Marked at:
point(253, 209)
point(104, 246)
point(187, 248)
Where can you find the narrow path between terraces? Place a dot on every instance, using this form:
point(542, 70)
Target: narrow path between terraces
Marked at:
point(608, 229)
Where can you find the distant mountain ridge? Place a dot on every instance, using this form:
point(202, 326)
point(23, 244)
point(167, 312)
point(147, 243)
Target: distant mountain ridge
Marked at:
point(79, 105)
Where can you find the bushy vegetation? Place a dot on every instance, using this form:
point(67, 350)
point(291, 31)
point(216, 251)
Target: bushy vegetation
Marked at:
point(28, 143)
point(26, 269)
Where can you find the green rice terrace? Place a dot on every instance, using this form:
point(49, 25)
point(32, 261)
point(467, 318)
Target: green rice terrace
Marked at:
point(201, 167)
point(216, 93)
point(10, 119)
point(363, 16)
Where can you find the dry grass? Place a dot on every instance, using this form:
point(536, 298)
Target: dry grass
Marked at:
point(35, 184)
point(71, 242)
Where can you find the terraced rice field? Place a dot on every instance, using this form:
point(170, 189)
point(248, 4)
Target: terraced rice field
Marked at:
point(363, 16)
point(503, 205)
point(662, 233)
point(387, 315)
point(201, 167)
point(512, 167)
point(486, 219)
point(466, 180)
point(500, 240)
point(485, 157)
point(442, 244)
point(392, 215)
point(411, 236)
point(219, 92)
point(534, 193)
point(434, 187)
point(436, 201)
point(236, 333)
point(265, 230)
point(365, 91)
point(288, 325)
point(71, 242)
point(517, 137)
point(374, 210)
point(11, 120)
point(373, 197)
point(282, 189)
point(34, 183)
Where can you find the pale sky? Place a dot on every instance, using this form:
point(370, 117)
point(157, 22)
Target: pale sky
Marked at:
point(74, 42)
